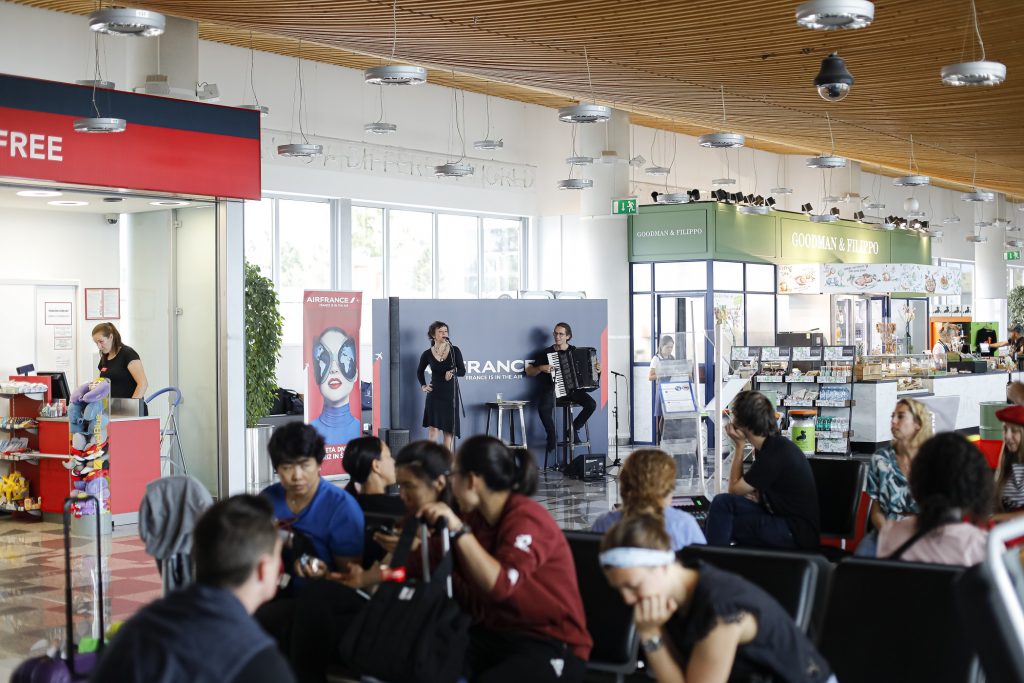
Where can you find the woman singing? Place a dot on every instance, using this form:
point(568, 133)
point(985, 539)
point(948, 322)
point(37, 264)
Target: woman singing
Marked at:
point(440, 411)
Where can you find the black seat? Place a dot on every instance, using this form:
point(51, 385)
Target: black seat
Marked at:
point(895, 621)
point(793, 579)
point(986, 620)
point(840, 482)
point(609, 619)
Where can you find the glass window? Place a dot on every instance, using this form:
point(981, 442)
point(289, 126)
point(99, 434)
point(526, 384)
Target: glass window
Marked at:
point(761, 319)
point(458, 257)
point(503, 239)
point(760, 277)
point(690, 275)
point(411, 245)
point(259, 235)
point(304, 230)
point(728, 275)
point(368, 251)
point(641, 328)
point(642, 277)
point(732, 330)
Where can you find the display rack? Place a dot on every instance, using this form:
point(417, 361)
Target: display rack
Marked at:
point(810, 377)
point(21, 422)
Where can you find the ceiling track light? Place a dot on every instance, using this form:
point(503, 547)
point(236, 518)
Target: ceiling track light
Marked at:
point(658, 171)
point(453, 169)
point(100, 124)
point(300, 149)
point(584, 113)
point(380, 128)
point(832, 15)
point(722, 140)
point(127, 22)
point(978, 196)
point(575, 184)
point(580, 160)
point(263, 109)
point(395, 74)
point(826, 161)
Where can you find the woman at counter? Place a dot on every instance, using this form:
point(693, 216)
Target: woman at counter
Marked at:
point(119, 363)
point(665, 349)
point(1009, 494)
point(889, 473)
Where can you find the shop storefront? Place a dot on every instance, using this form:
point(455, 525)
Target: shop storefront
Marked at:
point(138, 229)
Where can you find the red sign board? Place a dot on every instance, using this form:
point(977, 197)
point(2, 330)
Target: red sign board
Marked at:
point(169, 145)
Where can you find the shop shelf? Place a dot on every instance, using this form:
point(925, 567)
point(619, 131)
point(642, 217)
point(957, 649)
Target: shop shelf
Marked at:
point(14, 507)
point(34, 395)
point(770, 378)
point(832, 435)
point(19, 457)
point(800, 379)
point(835, 404)
point(798, 403)
point(833, 379)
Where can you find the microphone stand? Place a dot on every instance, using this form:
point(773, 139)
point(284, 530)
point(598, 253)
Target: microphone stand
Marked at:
point(617, 462)
point(457, 394)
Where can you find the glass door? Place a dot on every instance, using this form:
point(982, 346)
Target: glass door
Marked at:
point(682, 317)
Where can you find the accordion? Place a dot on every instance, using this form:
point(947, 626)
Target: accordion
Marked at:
point(574, 369)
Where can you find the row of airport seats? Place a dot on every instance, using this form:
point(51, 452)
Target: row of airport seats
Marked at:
point(873, 620)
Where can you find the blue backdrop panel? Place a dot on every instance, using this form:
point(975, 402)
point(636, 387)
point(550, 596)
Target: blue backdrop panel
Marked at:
point(498, 337)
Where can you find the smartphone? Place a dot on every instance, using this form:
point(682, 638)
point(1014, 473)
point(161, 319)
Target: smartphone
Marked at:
point(385, 529)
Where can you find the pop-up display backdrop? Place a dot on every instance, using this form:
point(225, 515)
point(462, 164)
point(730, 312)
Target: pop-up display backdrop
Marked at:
point(498, 338)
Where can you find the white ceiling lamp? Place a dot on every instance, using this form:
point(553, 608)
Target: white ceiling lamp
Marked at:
point(824, 218)
point(304, 149)
point(98, 123)
point(874, 205)
point(722, 140)
point(977, 195)
point(1015, 243)
point(488, 143)
point(380, 126)
point(754, 209)
point(125, 21)
point(935, 233)
point(976, 72)
point(255, 105)
point(657, 171)
point(102, 85)
point(976, 238)
point(673, 198)
point(454, 169)
point(584, 113)
point(826, 161)
point(579, 160)
point(723, 181)
point(780, 188)
point(38, 193)
point(951, 219)
point(911, 179)
point(575, 184)
point(395, 74)
point(459, 168)
point(831, 15)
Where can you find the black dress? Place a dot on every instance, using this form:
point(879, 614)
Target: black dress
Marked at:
point(122, 384)
point(440, 409)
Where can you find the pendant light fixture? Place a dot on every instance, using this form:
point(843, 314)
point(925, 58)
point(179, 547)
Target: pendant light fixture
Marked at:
point(911, 179)
point(722, 140)
point(380, 126)
point(655, 169)
point(583, 112)
point(826, 161)
point(755, 205)
point(487, 143)
point(575, 158)
point(977, 195)
point(831, 15)
point(255, 105)
point(834, 80)
point(304, 149)
point(608, 155)
point(98, 123)
point(779, 188)
point(980, 72)
point(127, 22)
point(952, 218)
point(459, 168)
point(395, 74)
point(728, 179)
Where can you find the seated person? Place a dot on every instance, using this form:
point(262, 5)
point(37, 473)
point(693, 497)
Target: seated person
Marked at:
point(1015, 393)
point(205, 632)
point(327, 530)
point(422, 469)
point(699, 623)
point(646, 483)
point(515, 575)
point(371, 471)
point(775, 503)
point(1009, 489)
point(950, 480)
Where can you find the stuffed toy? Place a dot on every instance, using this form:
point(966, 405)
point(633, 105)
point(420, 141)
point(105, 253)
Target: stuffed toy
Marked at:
point(98, 487)
point(87, 418)
point(13, 487)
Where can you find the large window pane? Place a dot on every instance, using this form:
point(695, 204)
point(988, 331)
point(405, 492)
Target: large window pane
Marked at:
point(642, 277)
point(688, 276)
point(304, 229)
point(367, 274)
point(728, 275)
point(732, 330)
point(761, 319)
point(410, 261)
point(760, 277)
point(259, 235)
point(641, 328)
point(458, 257)
point(503, 239)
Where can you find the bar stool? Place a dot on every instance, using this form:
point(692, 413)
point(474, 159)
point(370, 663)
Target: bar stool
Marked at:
point(510, 407)
point(569, 445)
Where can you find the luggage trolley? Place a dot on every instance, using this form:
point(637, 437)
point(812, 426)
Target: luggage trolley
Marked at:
point(170, 430)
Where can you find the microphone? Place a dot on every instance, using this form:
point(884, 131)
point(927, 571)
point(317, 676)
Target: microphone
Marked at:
point(616, 373)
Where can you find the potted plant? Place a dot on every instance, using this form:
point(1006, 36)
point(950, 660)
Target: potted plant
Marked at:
point(263, 333)
point(1015, 304)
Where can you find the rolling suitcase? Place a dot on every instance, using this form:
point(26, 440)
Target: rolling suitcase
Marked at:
point(69, 666)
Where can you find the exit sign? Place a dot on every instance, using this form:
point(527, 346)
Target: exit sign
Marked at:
point(624, 206)
point(1013, 255)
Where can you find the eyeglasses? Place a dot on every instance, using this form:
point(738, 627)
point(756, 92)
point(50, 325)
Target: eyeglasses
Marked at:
point(561, 334)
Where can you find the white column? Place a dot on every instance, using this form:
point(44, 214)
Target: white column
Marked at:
point(175, 54)
point(990, 269)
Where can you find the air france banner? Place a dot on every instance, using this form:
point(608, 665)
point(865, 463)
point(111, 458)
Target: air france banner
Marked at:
point(169, 145)
point(330, 334)
point(498, 338)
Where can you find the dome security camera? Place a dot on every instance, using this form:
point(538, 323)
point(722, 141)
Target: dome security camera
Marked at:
point(834, 80)
point(112, 218)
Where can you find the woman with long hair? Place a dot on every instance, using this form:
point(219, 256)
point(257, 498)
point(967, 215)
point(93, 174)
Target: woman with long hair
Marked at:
point(119, 363)
point(369, 464)
point(665, 348)
point(440, 409)
point(1009, 488)
point(646, 483)
point(950, 481)
point(889, 472)
point(515, 574)
point(698, 623)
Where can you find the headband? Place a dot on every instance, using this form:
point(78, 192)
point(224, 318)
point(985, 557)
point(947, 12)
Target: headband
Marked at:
point(627, 558)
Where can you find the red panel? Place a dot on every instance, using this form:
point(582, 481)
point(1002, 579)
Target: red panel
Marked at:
point(991, 450)
point(140, 158)
point(134, 461)
point(54, 484)
point(376, 395)
point(55, 438)
point(604, 368)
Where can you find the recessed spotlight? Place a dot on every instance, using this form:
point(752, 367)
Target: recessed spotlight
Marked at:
point(38, 193)
point(67, 202)
point(168, 202)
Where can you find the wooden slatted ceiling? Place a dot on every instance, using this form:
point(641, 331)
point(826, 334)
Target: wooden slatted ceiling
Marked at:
point(665, 61)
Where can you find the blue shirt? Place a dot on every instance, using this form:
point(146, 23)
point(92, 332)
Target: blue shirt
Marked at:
point(682, 528)
point(333, 521)
point(337, 425)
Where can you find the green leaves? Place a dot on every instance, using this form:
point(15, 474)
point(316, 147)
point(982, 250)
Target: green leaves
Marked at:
point(263, 334)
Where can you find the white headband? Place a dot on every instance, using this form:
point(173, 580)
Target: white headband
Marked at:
point(627, 558)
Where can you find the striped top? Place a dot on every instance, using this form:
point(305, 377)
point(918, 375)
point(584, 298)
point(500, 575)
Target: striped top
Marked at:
point(1013, 490)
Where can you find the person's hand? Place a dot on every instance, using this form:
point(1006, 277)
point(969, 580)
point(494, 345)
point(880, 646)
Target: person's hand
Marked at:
point(754, 497)
point(427, 388)
point(313, 568)
point(448, 375)
point(387, 541)
point(353, 576)
point(598, 366)
point(651, 612)
point(550, 369)
point(432, 512)
point(734, 434)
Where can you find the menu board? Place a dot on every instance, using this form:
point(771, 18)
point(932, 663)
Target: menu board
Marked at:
point(741, 353)
point(806, 353)
point(839, 353)
point(770, 353)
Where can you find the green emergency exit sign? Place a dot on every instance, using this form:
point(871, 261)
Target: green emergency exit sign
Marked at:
point(1013, 255)
point(624, 206)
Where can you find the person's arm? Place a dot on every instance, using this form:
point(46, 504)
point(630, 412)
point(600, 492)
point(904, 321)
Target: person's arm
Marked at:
point(421, 372)
point(139, 375)
point(652, 375)
point(650, 614)
point(737, 484)
point(481, 567)
point(1004, 516)
point(876, 514)
point(540, 364)
point(713, 656)
point(346, 533)
point(460, 366)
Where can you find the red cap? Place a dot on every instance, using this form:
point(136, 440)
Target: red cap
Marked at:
point(1012, 414)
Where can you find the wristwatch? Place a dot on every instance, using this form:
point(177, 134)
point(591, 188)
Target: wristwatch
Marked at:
point(456, 535)
point(651, 644)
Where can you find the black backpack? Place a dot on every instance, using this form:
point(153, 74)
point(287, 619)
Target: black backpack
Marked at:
point(411, 630)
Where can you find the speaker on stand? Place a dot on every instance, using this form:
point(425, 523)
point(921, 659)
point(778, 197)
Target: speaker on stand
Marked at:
point(395, 436)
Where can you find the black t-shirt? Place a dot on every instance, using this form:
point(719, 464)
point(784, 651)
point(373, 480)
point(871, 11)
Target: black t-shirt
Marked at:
point(542, 359)
point(783, 477)
point(269, 666)
point(122, 384)
point(779, 651)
